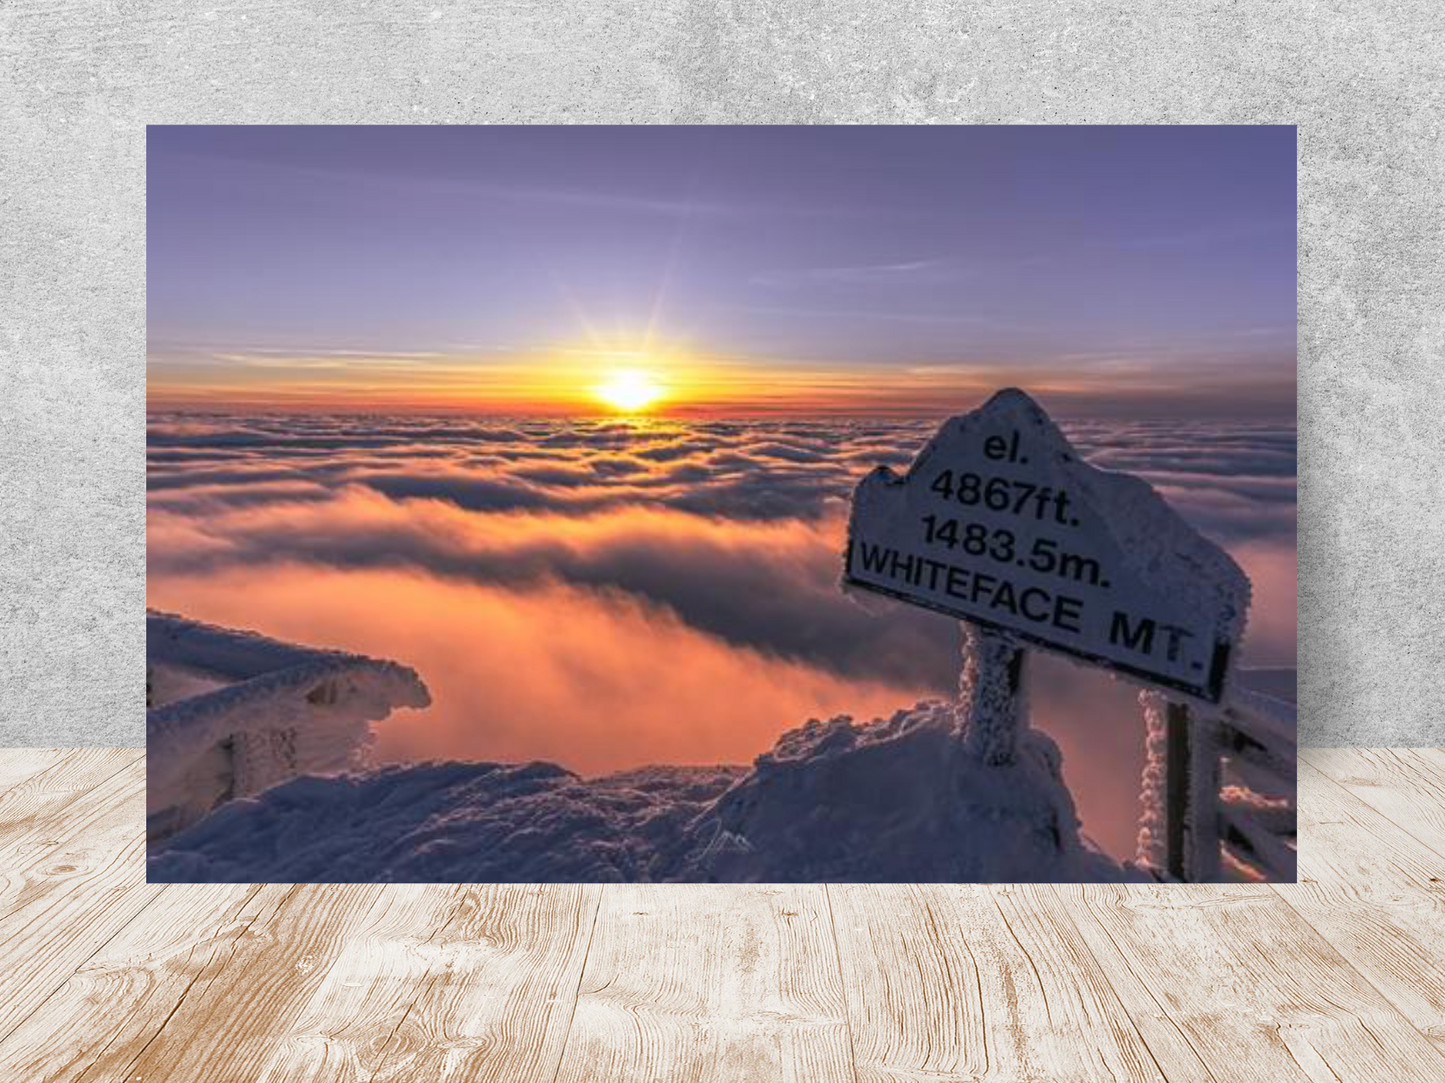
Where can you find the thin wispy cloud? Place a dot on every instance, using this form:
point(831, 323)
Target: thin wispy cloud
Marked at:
point(855, 313)
point(905, 272)
point(1208, 235)
point(405, 361)
point(336, 182)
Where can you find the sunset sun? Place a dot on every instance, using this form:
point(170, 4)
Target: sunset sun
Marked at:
point(629, 391)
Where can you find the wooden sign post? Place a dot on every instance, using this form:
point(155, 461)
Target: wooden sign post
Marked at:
point(1000, 523)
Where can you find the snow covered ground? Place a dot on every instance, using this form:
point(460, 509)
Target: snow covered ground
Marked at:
point(898, 799)
point(257, 773)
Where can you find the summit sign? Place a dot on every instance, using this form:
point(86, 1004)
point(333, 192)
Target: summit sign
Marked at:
point(1001, 523)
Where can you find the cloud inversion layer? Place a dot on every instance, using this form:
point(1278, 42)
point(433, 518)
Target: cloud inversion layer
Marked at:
point(611, 593)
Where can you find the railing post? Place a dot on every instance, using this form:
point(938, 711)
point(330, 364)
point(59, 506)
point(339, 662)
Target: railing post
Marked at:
point(1191, 796)
point(1177, 761)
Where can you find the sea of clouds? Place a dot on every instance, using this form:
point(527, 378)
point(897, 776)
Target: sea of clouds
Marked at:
point(608, 594)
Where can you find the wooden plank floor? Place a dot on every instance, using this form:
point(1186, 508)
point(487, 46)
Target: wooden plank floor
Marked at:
point(1338, 978)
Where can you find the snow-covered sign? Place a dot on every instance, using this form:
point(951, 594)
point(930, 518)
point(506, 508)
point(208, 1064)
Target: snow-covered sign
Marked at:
point(998, 521)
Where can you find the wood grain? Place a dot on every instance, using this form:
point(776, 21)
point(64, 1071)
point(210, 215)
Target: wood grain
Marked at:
point(96, 1024)
point(472, 982)
point(1405, 785)
point(33, 813)
point(103, 976)
point(244, 1000)
point(708, 982)
point(1373, 890)
point(976, 982)
point(1254, 989)
point(19, 764)
point(72, 878)
point(379, 971)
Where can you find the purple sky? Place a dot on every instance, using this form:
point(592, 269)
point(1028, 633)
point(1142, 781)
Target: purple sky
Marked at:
point(1160, 260)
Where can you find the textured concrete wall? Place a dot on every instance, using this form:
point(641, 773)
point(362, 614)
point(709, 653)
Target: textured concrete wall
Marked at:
point(79, 82)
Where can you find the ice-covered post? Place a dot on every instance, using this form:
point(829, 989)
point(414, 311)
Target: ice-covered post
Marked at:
point(1191, 796)
point(1181, 826)
point(1176, 791)
point(992, 698)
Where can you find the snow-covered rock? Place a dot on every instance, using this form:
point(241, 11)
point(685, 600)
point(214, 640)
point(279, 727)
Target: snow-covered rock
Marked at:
point(896, 799)
point(900, 799)
point(231, 713)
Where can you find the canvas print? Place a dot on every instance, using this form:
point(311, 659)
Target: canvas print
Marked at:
point(721, 504)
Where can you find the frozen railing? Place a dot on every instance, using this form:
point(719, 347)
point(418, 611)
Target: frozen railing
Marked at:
point(1219, 789)
point(1257, 811)
point(231, 713)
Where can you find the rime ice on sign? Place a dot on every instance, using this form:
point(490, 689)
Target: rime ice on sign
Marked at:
point(998, 521)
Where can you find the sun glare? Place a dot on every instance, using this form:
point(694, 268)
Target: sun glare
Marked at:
point(629, 391)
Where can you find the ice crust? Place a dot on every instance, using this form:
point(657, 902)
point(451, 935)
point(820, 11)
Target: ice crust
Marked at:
point(264, 712)
point(1256, 780)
